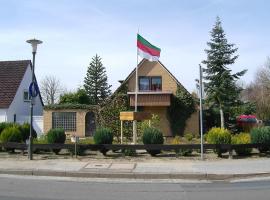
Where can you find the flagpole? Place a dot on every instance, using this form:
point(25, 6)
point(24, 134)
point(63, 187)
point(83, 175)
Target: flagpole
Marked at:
point(201, 111)
point(136, 100)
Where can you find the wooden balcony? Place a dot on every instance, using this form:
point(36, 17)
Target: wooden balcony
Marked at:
point(151, 98)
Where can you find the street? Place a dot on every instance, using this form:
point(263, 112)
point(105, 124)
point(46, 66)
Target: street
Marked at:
point(45, 188)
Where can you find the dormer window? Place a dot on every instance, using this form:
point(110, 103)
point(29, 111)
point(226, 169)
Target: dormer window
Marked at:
point(26, 96)
point(150, 83)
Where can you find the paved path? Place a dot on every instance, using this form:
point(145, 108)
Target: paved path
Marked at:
point(220, 169)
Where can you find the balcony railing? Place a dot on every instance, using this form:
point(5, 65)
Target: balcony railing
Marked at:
point(151, 98)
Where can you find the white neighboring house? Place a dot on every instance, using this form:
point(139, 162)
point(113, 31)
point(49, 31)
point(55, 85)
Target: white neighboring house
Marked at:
point(15, 78)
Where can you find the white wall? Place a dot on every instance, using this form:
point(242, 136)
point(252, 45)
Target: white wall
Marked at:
point(3, 116)
point(37, 122)
point(18, 105)
point(21, 108)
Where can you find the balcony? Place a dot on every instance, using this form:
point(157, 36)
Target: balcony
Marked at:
point(151, 98)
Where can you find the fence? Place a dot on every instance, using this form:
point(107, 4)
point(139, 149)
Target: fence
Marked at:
point(96, 147)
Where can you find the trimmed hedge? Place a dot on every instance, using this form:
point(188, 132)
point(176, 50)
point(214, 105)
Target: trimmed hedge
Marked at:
point(4, 125)
point(152, 136)
point(242, 138)
point(218, 136)
point(11, 134)
point(57, 136)
point(103, 136)
point(261, 135)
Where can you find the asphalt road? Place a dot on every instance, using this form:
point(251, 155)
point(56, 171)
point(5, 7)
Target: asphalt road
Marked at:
point(23, 188)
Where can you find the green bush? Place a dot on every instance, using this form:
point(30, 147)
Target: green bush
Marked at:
point(181, 152)
point(4, 125)
point(57, 136)
point(152, 136)
point(103, 136)
point(25, 131)
point(242, 138)
point(11, 134)
point(188, 136)
point(261, 135)
point(218, 136)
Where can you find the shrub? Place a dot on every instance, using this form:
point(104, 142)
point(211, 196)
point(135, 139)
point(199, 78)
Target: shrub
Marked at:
point(153, 136)
point(4, 125)
point(103, 136)
point(11, 134)
point(261, 135)
point(218, 136)
point(57, 136)
point(188, 136)
point(242, 138)
point(25, 131)
point(181, 152)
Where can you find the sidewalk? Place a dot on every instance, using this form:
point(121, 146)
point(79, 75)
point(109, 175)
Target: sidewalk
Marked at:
point(182, 169)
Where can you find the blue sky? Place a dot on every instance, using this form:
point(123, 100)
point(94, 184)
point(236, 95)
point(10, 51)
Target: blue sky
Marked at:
point(74, 31)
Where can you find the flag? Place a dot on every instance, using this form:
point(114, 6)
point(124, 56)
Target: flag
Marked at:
point(147, 50)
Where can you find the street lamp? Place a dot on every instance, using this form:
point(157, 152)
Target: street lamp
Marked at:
point(34, 43)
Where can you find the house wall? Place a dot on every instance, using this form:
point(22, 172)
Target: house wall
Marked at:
point(168, 84)
point(164, 124)
point(19, 106)
point(192, 124)
point(80, 121)
point(154, 69)
point(3, 116)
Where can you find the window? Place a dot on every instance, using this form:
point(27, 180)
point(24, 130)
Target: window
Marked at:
point(26, 96)
point(65, 120)
point(144, 83)
point(148, 83)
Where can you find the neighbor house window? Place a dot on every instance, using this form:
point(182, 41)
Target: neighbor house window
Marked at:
point(150, 83)
point(65, 120)
point(26, 96)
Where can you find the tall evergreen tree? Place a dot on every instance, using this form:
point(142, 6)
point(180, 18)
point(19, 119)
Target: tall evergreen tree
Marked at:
point(221, 89)
point(96, 81)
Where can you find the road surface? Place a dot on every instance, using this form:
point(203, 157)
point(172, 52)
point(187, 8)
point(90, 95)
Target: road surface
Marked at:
point(43, 188)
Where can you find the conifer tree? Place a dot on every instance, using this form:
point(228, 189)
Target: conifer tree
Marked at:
point(96, 81)
point(221, 89)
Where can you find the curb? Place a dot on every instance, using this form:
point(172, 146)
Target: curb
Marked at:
point(191, 176)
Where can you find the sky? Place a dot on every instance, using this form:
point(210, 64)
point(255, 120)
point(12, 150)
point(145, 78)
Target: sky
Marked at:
point(74, 31)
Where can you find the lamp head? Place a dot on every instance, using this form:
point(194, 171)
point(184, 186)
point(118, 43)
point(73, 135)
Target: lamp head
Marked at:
point(34, 42)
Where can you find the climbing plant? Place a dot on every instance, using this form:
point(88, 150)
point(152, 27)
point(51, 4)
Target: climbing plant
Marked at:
point(182, 106)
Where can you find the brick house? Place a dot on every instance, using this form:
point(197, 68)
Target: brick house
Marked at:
point(156, 88)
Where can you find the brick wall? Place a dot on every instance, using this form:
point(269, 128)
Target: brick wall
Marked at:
point(80, 121)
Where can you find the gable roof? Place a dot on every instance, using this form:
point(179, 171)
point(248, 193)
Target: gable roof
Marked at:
point(11, 75)
point(141, 64)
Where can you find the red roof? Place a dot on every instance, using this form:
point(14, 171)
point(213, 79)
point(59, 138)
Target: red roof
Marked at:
point(11, 75)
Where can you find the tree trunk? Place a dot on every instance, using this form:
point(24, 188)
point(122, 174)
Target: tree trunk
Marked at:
point(221, 117)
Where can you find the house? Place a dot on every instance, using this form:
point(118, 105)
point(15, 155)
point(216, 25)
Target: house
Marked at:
point(15, 78)
point(77, 120)
point(157, 86)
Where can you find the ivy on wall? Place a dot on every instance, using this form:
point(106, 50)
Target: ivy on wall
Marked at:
point(182, 106)
point(110, 113)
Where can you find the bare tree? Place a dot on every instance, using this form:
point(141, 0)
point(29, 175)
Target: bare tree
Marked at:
point(259, 91)
point(51, 89)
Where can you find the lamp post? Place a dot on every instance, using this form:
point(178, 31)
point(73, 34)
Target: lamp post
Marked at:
point(34, 43)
